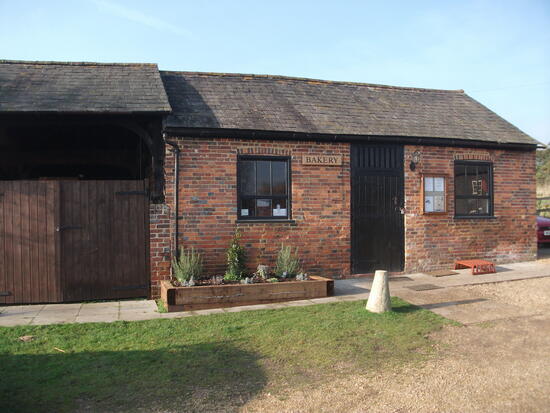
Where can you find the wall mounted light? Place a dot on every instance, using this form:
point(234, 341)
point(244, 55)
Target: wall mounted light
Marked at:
point(415, 158)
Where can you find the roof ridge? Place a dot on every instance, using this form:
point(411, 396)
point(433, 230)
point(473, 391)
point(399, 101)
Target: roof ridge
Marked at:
point(55, 63)
point(310, 80)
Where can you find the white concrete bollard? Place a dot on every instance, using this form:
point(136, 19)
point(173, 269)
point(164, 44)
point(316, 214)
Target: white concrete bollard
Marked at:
point(379, 297)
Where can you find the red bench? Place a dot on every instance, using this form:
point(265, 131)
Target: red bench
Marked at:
point(478, 266)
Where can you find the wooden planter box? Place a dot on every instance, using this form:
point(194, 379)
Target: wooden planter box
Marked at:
point(233, 295)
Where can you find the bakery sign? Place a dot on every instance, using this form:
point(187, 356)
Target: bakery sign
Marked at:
point(322, 160)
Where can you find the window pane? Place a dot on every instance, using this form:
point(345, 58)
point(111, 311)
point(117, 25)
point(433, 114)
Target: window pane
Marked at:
point(248, 177)
point(466, 207)
point(483, 179)
point(474, 183)
point(461, 180)
point(248, 208)
point(278, 174)
point(470, 186)
point(263, 207)
point(263, 178)
point(280, 207)
point(483, 206)
point(472, 206)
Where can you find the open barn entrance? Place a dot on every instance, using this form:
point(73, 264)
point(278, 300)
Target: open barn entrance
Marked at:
point(73, 212)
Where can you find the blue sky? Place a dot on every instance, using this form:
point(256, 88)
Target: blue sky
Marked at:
point(497, 51)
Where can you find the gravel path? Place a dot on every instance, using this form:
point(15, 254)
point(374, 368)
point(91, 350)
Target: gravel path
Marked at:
point(497, 366)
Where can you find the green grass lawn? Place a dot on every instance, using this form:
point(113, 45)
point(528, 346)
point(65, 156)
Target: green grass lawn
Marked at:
point(215, 362)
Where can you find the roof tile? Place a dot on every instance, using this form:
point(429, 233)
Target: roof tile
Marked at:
point(276, 103)
point(81, 87)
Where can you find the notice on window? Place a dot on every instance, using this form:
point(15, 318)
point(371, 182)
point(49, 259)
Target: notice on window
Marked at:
point(439, 203)
point(244, 212)
point(280, 212)
point(477, 187)
point(434, 194)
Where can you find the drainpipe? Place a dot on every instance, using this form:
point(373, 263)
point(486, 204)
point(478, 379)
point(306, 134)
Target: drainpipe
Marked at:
point(176, 150)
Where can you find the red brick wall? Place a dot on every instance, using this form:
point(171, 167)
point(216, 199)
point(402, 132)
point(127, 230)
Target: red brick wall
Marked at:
point(321, 209)
point(208, 205)
point(435, 241)
point(159, 245)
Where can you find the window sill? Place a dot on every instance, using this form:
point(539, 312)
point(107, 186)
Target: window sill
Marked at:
point(265, 221)
point(475, 217)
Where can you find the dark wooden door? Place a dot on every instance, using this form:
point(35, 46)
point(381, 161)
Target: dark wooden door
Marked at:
point(73, 241)
point(103, 240)
point(28, 263)
point(376, 208)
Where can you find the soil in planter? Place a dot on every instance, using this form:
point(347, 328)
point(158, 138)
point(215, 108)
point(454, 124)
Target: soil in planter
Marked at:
point(256, 280)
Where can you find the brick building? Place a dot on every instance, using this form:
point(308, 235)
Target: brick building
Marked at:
point(357, 176)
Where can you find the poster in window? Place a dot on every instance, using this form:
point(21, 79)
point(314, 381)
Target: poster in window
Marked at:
point(477, 187)
point(279, 212)
point(439, 203)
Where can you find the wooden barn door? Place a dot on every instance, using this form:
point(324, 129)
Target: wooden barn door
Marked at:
point(73, 241)
point(28, 263)
point(377, 201)
point(103, 240)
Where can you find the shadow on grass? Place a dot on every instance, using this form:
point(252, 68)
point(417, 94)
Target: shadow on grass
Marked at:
point(206, 376)
point(404, 308)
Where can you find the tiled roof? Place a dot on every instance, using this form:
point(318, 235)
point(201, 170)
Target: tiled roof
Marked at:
point(276, 103)
point(81, 88)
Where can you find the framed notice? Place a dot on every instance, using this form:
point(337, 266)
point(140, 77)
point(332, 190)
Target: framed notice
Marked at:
point(434, 194)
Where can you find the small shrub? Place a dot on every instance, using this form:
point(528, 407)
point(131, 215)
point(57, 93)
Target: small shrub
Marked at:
point(236, 259)
point(263, 271)
point(288, 263)
point(187, 267)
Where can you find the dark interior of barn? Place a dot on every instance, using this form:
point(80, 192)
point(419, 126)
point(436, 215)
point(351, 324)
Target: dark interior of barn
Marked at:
point(45, 150)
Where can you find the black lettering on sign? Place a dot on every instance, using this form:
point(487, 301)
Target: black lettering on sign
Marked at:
point(325, 160)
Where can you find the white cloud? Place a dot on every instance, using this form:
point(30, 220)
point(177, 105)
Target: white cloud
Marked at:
point(138, 17)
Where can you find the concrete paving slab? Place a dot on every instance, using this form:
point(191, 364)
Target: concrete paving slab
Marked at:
point(22, 309)
point(96, 310)
point(325, 300)
point(210, 311)
point(99, 314)
point(425, 297)
point(62, 307)
point(99, 318)
point(423, 287)
point(354, 297)
point(12, 322)
point(106, 304)
point(179, 314)
point(141, 304)
point(132, 316)
point(58, 313)
point(255, 307)
point(52, 320)
point(299, 303)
